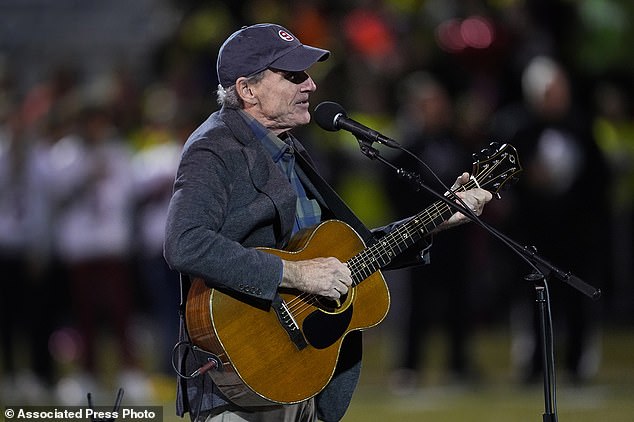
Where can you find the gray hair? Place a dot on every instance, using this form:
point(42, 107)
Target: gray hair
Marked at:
point(229, 98)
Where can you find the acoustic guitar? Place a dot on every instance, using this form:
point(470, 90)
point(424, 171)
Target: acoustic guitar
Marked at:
point(287, 352)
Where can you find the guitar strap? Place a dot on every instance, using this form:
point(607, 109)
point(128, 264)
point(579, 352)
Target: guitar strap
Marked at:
point(332, 200)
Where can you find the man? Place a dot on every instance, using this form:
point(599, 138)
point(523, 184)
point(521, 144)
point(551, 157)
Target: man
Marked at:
point(244, 182)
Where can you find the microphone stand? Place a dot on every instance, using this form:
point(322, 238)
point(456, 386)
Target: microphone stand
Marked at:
point(528, 254)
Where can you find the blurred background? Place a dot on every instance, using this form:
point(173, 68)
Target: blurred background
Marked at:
point(97, 98)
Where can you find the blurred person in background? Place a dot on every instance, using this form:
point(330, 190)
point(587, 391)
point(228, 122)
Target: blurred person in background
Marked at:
point(439, 293)
point(32, 294)
point(244, 181)
point(560, 210)
point(23, 290)
point(614, 132)
point(94, 186)
point(155, 160)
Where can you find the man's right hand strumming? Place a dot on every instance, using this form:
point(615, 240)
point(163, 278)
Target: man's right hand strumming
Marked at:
point(326, 277)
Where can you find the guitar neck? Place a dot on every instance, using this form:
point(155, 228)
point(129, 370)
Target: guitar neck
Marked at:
point(381, 253)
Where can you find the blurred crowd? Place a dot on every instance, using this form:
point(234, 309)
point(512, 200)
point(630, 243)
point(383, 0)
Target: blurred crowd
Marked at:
point(88, 156)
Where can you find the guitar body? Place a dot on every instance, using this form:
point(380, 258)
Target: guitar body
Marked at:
point(261, 364)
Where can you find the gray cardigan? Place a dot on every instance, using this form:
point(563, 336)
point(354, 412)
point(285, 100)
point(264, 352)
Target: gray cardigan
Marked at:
point(229, 198)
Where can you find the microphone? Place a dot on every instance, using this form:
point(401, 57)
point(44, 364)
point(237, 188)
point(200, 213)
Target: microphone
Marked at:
point(331, 116)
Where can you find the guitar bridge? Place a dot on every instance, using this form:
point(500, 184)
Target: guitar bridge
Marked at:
point(288, 323)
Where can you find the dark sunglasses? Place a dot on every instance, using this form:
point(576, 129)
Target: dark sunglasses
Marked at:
point(293, 77)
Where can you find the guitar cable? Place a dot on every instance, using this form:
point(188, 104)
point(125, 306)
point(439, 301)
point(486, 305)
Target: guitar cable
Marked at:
point(213, 362)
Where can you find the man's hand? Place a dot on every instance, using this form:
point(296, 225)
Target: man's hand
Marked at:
point(475, 199)
point(326, 277)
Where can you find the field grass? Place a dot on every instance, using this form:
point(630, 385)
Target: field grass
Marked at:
point(495, 396)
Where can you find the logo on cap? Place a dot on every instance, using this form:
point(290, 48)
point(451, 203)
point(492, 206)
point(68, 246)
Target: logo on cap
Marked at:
point(285, 35)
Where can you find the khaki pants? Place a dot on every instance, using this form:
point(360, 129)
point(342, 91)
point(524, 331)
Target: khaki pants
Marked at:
point(301, 412)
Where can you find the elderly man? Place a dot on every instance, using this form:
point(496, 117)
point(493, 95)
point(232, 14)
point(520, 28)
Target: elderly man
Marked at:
point(245, 182)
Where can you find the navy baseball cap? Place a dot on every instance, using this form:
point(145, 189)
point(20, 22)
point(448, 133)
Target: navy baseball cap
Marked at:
point(255, 48)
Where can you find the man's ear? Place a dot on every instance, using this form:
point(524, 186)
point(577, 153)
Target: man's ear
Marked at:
point(244, 91)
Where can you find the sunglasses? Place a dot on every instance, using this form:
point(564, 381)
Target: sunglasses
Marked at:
point(293, 77)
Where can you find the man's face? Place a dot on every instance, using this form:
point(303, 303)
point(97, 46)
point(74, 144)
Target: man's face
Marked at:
point(282, 99)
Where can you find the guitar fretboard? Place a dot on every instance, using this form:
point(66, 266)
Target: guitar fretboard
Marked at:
point(381, 253)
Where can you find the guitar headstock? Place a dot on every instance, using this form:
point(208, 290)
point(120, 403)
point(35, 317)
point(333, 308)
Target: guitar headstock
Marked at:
point(496, 166)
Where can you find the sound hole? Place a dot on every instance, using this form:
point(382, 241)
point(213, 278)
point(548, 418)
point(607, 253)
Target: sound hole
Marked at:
point(322, 330)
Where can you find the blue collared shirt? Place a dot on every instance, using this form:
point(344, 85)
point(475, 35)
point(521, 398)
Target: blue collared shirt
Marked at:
point(282, 151)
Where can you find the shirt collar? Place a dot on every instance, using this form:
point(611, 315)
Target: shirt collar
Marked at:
point(274, 145)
